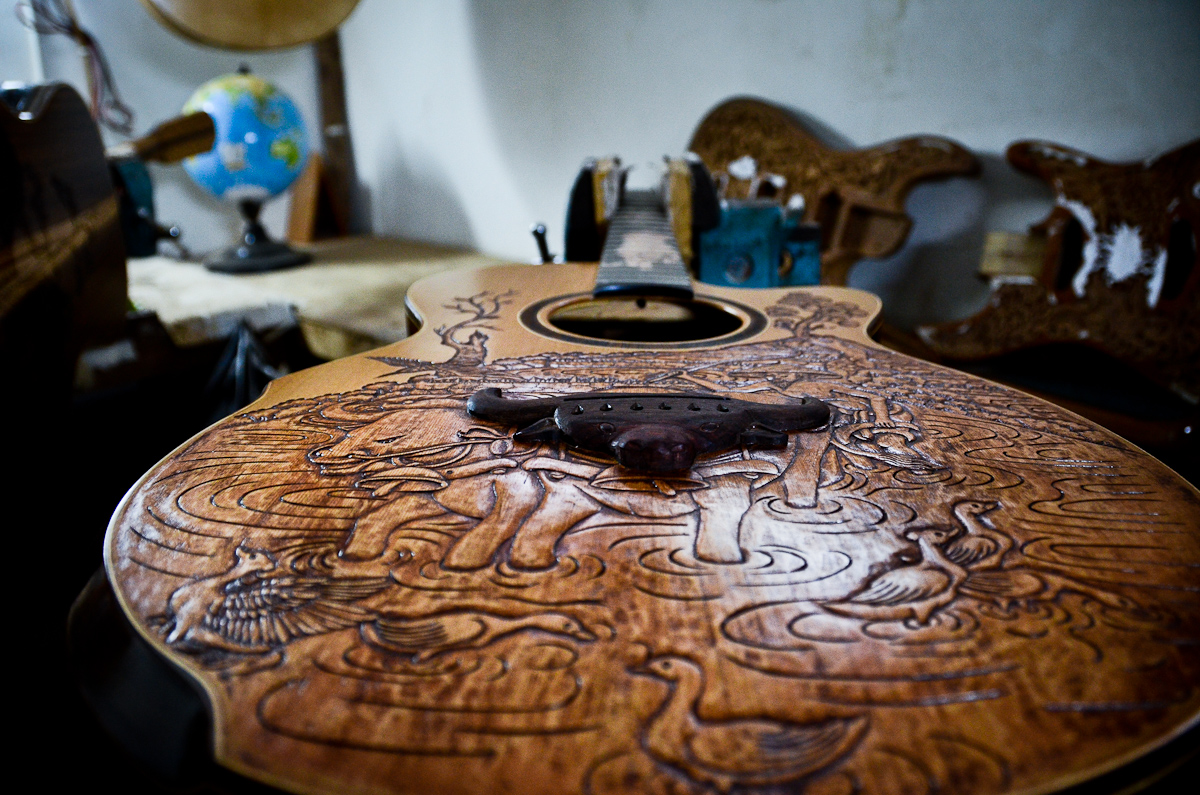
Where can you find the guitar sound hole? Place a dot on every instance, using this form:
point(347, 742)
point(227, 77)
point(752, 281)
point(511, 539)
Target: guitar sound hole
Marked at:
point(645, 320)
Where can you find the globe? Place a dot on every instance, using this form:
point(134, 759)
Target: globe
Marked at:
point(260, 148)
point(261, 145)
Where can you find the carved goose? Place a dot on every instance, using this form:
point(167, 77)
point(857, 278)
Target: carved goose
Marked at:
point(744, 752)
point(431, 635)
point(914, 591)
point(249, 608)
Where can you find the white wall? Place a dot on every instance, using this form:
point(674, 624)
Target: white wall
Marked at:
point(471, 117)
point(155, 73)
point(19, 60)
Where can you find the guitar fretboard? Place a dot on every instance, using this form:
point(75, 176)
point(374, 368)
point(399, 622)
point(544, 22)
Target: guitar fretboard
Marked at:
point(640, 256)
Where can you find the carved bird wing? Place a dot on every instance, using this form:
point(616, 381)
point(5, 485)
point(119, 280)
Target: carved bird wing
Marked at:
point(762, 747)
point(905, 584)
point(410, 634)
point(970, 549)
point(1004, 586)
point(269, 611)
point(1008, 586)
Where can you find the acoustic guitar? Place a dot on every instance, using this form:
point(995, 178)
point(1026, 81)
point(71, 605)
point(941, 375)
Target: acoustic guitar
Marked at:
point(594, 529)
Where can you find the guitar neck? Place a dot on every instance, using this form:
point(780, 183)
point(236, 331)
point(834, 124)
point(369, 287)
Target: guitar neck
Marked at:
point(640, 255)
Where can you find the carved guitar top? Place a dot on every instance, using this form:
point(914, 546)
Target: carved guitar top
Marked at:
point(943, 586)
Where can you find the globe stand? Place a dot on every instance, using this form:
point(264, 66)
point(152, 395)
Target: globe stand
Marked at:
point(256, 252)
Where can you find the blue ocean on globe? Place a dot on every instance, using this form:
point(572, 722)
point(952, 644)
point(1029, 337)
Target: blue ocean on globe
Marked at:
point(261, 145)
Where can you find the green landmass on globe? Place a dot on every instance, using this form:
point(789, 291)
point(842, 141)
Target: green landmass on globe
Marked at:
point(287, 150)
point(234, 85)
point(261, 142)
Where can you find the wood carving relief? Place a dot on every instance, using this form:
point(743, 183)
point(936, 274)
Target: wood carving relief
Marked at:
point(949, 587)
point(1121, 271)
point(856, 196)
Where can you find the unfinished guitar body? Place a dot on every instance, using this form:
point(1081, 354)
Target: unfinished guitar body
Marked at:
point(948, 586)
point(1120, 272)
point(856, 196)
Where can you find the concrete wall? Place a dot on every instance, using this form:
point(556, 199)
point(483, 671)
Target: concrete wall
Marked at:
point(471, 117)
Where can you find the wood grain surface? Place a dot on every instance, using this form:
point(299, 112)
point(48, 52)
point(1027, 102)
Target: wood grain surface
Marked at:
point(950, 587)
point(250, 24)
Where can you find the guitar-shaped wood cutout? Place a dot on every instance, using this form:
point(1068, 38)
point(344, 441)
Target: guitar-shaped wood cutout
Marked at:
point(561, 543)
point(1121, 270)
point(856, 196)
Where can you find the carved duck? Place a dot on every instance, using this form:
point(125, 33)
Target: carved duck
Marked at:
point(250, 608)
point(744, 752)
point(914, 591)
point(428, 636)
point(1024, 585)
point(981, 547)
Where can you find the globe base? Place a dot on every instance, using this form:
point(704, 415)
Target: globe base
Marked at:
point(266, 255)
point(256, 252)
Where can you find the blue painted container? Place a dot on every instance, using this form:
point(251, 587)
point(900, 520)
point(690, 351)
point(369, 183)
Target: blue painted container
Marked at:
point(760, 244)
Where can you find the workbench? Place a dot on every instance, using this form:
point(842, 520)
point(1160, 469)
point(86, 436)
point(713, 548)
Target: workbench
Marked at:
point(348, 300)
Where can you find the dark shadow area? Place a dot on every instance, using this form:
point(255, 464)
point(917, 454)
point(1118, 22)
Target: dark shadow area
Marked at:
point(1181, 259)
point(1172, 769)
point(645, 320)
point(151, 724)
point(1109, 392)
point(73, 460)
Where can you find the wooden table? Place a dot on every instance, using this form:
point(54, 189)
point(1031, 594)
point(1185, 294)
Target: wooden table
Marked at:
point(348, 300)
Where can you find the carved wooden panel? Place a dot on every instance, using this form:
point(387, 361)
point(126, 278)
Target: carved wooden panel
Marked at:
point(950, 587)
point(1120, 273)
point(857, 196)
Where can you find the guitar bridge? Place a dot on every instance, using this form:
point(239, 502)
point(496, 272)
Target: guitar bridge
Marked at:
point(651, 432)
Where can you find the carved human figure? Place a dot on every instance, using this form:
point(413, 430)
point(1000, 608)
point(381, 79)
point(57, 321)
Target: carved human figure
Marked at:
point(416, 473)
